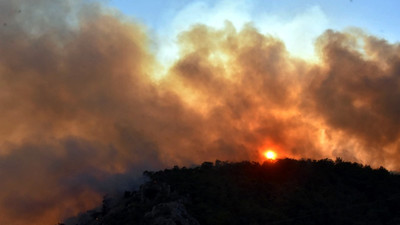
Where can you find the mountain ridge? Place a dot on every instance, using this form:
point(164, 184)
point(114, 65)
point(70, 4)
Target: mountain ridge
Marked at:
point(285, 191)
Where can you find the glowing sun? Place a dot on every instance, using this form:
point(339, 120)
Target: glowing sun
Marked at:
point(270, 155)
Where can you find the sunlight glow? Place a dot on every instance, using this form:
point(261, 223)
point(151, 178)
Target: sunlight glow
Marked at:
point(271, 155)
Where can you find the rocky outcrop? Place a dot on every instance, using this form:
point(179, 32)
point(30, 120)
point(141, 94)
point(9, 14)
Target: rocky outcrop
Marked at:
point(171, 213)
point(153, 204)
point(167, 212)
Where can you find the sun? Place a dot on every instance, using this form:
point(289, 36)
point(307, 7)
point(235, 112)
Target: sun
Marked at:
point(271, 155)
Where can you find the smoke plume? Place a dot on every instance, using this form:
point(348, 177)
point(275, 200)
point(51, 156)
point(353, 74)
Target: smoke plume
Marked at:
point(82, 114)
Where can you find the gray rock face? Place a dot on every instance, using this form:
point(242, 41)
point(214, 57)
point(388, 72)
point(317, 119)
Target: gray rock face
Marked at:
point(162, 207)
point(171, 213)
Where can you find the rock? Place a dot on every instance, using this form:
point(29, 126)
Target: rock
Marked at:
point(171, 213)
point(153, 204)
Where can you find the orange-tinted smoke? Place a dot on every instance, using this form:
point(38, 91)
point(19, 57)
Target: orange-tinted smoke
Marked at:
point(81, 115)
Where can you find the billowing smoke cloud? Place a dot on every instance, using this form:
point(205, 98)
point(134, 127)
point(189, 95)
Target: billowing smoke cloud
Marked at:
point(81, 113)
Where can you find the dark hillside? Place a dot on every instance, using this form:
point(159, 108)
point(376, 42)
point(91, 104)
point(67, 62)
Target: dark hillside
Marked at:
point(283, 192)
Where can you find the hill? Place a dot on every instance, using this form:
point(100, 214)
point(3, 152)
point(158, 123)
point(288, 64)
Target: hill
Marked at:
point(285, 191)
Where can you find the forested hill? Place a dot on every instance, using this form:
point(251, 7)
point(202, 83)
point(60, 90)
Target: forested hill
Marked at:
point(285, 191)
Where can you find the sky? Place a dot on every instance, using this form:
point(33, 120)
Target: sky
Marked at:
point(92, 93)
point(379, 17)
point(285, 19)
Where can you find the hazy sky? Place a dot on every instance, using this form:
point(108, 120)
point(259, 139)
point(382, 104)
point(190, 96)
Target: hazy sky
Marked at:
point(379, 17)
point(292, 21)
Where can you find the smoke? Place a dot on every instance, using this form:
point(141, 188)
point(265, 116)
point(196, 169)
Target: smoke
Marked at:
point(81, 113)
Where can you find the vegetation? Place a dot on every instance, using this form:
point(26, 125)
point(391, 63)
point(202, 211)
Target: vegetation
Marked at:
point(286, 191)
